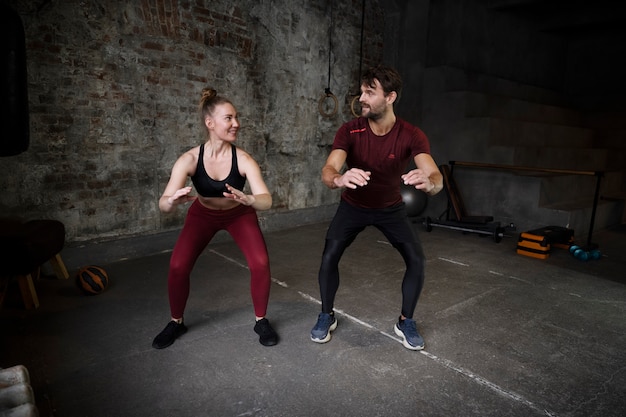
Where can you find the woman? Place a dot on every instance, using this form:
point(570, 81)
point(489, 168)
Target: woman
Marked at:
point(218, 171)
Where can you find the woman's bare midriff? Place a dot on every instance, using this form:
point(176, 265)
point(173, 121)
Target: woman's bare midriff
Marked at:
point(218, 203)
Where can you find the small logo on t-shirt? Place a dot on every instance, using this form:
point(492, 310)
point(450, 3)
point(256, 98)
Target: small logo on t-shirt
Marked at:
point(357, 131)
point(391, 156)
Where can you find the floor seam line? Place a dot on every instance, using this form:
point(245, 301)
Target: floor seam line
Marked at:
point(444, 362)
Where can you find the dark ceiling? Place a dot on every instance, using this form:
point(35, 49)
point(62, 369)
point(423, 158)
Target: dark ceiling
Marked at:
point(573, 19)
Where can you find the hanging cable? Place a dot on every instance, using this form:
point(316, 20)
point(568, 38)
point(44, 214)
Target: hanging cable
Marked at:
point(361, 51)
point(330, 46)
point(355, 99)
point(327, 93)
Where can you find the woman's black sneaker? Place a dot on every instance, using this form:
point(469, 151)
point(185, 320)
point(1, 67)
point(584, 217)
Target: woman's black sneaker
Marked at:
point(171, 332)
point(267, 335)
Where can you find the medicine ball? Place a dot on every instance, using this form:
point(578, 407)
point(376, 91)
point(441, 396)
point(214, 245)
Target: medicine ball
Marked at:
point(92, 279)
point(415, 200)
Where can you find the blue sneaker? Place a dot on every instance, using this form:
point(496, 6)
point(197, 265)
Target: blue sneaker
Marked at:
point(407, 330)
point(326, 323)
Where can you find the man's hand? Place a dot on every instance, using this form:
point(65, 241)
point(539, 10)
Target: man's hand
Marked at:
point(353, 178)
point(419, 180)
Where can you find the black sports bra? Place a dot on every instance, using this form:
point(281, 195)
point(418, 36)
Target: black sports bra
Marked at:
point(208, 187)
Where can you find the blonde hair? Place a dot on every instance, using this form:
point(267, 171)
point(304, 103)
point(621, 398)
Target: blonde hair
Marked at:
point(210, 100)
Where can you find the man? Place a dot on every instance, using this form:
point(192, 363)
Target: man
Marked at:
point(377, 148)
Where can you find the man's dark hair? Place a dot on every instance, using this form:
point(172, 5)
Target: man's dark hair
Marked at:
point(390, 80)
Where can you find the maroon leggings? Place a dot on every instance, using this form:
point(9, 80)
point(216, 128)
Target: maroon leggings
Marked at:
point(200, 226)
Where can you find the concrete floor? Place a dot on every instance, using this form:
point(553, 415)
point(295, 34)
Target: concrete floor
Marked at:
point(506, 335)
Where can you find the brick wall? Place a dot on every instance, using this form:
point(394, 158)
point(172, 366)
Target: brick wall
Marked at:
point(114, 86)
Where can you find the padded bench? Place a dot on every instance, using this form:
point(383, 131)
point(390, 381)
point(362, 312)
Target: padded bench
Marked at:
point(24, 247)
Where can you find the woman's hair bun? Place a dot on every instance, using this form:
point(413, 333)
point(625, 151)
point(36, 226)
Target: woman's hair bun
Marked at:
point(207, 94)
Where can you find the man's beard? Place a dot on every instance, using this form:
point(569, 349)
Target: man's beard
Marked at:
point(371, 114)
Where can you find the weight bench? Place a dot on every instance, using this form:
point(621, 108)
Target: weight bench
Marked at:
point(483, 225)
point(24, 247)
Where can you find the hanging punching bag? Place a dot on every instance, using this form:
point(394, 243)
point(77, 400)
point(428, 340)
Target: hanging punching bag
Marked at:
point(14, 119)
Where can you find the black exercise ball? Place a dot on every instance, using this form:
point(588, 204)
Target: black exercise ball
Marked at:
point(415, 200)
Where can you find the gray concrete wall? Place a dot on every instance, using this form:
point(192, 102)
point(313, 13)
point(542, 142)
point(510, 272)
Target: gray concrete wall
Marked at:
point(114, 87)
point(406, 43)
point(487, 69)
point(595, 72)
point(466, 34)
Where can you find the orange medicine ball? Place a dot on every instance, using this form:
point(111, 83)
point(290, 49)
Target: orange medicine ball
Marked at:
point(92, 279)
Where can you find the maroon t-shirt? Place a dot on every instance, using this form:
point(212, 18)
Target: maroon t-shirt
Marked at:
point(387, 157)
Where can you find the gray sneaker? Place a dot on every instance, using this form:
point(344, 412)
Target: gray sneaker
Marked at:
point(407, 330)
point(326, 323)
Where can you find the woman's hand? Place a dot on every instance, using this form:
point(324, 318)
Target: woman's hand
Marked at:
point(239, 196)
point(181, 196)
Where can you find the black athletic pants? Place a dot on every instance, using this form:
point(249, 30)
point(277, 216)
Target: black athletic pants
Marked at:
point(393, 222)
